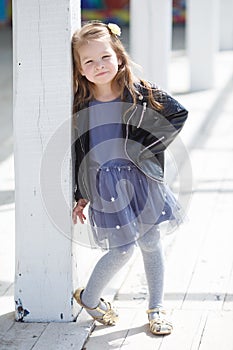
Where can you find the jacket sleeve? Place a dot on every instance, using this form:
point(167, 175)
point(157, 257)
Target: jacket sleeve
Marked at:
point(77, 147)
point(169, 121)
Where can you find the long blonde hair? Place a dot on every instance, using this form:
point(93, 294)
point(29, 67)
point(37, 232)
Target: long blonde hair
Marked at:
point(84, 89)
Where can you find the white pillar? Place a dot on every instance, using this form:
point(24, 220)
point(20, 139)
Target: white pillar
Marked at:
point(202, 41)
point(150, 38)
point(42, 32)
point(226, 25)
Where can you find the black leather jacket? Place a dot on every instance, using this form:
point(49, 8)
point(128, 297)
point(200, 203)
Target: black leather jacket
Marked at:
point(147, 133)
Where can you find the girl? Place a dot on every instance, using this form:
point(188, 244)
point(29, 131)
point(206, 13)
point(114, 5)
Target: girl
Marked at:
point(120, 143)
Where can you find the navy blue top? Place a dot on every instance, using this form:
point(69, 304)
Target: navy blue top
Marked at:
point(106, 139)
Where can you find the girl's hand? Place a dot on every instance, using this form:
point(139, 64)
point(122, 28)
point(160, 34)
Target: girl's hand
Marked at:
point(78, 211)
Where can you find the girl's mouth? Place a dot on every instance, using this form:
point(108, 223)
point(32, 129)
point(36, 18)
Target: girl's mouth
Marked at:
point(100, 74)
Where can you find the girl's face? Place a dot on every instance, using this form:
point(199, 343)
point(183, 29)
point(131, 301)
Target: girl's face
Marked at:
point(99, 62)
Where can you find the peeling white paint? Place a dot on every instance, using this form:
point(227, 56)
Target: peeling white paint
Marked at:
point(20, 312)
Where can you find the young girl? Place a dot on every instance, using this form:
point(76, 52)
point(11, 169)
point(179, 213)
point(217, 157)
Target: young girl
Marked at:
point(123, 126)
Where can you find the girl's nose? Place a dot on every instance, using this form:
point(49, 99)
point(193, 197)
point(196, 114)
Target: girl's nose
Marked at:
point(99, 65)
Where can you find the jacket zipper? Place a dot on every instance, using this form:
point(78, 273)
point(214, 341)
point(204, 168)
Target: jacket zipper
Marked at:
point(142, 114)
point(126, 138)
point(84, 185)
point(152, 144)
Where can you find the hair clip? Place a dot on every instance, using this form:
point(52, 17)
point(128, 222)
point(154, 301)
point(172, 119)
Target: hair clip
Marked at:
point(114, 29)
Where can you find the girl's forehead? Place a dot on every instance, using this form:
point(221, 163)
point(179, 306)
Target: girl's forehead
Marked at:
point(94, 46)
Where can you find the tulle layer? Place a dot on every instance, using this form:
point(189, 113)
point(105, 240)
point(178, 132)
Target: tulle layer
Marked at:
point(126, 203)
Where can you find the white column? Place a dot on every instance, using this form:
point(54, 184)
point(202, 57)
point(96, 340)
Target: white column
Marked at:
point(150, 38)
point(226, 25)
point(202, 41)
point(42, 32)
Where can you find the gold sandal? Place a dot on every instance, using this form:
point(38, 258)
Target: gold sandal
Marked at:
point(110, 315)
point(159, 325)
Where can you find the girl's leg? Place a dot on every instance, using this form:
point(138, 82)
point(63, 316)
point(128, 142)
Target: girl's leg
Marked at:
point(105, 269)
point(153, 257)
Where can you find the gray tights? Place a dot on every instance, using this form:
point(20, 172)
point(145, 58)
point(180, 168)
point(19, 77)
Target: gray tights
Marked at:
point(116, 258)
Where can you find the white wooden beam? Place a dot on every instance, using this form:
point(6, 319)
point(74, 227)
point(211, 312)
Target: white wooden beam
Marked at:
point(42, 32)
point(150, 38)
point(202, 41)
point(226, 25)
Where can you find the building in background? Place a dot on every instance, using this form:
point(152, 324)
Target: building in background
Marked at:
point(179, 11)
point(5, 12)
point(116, 11)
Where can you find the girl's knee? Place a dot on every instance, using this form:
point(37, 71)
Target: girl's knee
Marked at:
point(150, 241)
point(125, 252)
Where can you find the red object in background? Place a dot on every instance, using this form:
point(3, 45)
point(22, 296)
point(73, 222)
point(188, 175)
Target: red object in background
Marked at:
point(116, 4)
point(179, 11)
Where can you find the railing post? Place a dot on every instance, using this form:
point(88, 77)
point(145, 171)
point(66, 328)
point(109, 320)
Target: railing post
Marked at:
point(150, 38)
point(202, 41)
point(226, 25)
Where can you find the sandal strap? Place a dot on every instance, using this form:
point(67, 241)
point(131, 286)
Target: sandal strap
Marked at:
point(109, 315)
point(159, 325)
point(108, 306)
point(157, 309)
point(77, 296)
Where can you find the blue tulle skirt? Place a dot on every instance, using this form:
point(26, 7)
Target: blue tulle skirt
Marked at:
point(126, 203)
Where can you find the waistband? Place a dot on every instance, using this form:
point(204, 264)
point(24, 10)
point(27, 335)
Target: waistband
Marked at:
point(114, 166)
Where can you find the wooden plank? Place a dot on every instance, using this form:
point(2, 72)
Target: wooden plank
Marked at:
point(213, 270)
point(7, 304)
point(228, 301)
point(105, 338)
point(22, 336)
point(6, 322)
point(182, 260)
point(139, 335)
point(188, 328)
point(4, 286)
point(218, 331)
point(60, 336)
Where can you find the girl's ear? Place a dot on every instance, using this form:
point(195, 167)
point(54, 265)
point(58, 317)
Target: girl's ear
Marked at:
point(119, 60)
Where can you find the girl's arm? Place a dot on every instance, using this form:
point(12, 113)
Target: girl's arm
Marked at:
point(168, 122)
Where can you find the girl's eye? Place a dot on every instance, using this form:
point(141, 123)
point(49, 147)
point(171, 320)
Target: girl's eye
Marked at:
point(87, 62)
point(105, 56)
